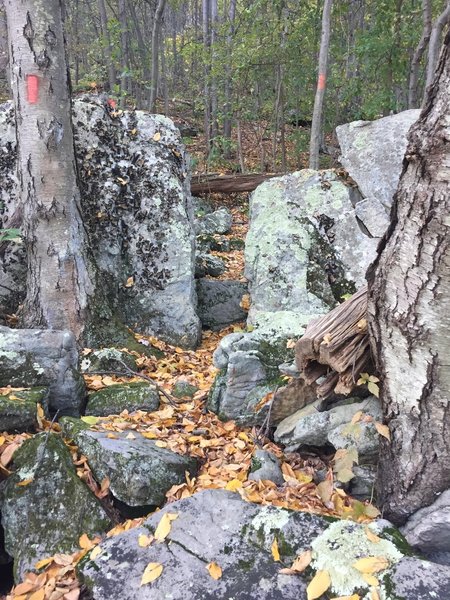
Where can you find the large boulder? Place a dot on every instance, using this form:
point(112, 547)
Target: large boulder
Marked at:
point(372, 152)
point(41, 357)
point(216, 526)
point(114, 399)
point(45, 507)
point(136, 205)
point(302, 262)
point(140, 473)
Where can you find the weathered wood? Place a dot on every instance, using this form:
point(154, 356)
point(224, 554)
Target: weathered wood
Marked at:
point(227, 184)
point(335, 348)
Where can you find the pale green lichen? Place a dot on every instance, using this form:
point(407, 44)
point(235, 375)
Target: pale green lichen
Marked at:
point(269, 520)
point(340, 546)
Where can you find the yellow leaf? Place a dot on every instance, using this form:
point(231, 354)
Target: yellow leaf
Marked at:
point(233, 485)
point(383, 430)
point(85, 542)
point(40, 411)
point(371, 564)
point(214, 570)
point(130, 282)
point(38, 595)
point(25, 482)
point(157, 137)
point(302, 561)
point(43, 563)
point(152, 571)
point(353, 597)
point(318, 585)
point(161, 444)
point(356, 417)
point(371, 511)
point(275, 551)
point(145, 540)
point(374, 595)
point(164, 526)
point(90, 420)
point(133, 131)
point(2, 440)
point(149, 435)
point(372, 536)
point(370, 579)
point(95, 552)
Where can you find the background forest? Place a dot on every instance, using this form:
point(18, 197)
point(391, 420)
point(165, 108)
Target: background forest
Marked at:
point(234, 66)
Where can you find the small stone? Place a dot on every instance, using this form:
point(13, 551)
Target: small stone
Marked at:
point(265, 465)
point(184, 389)
point(219, 221)
point(207, 264)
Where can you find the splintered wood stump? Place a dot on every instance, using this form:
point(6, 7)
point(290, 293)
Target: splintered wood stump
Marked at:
point(334, 350)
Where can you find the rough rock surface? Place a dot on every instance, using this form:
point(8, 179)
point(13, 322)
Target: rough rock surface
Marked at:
point(372, 152)
point(248, 364)
point(265, 465)
point(108, 359)
point(300, 263)
point(219, 221)
point(207, 264)
point(114, 399)
point(312, 428)
point(218, 526)
point(428, 529)
point(18, 410)
point(51, 512)
point(219, 303)
point(136, 205)
point(139, 472)
point(40, 357)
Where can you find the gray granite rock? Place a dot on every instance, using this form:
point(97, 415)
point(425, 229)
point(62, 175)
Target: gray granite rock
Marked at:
point(372, 152)
point(108, 359)
point(40, 357)
point(265, 465)
point(140, 473)
point(428, 529)
point(183, 389)
point(207, 264)
point(362, 486)
point(136, 205)
point(219, 221)
point(219, 303)
point(18, 409)
point(114, 399)
point(50, 513)
point(415, 579)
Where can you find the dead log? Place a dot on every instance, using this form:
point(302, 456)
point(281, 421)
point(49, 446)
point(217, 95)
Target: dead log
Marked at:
point(227, 184)
point(334, 350)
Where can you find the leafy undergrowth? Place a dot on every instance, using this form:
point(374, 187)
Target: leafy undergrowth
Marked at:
point(186, 427)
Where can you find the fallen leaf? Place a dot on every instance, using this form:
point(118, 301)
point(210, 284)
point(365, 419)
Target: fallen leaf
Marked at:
point(370, 579)
point(43, 563)
point(302, 561)
point(374, 595)
point(372, 536)
point(275, 551)
point(164, 526)
point(157, 137)
point(145, 540)
point(25, 482)
point(353, 597)
point(371, 564)
point(233, 485)
point(72, 595)
point(130, 282)
point(383, 430)
point(356, 417)
point(214, 570)
point(95, 552)
point(37, 595)
point(84, 542)
point(318, 585)
point(90, 420)
point(152, 571)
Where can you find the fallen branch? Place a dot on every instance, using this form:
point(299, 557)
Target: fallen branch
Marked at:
point(227, 184)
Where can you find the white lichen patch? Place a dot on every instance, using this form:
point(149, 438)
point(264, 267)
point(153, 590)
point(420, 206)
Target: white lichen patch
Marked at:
point(85, 364)
point(269, 520)
point(340, 546)
point(38, 368)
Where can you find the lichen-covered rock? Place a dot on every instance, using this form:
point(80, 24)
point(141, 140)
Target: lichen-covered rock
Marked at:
point(307, 427)
point(219, 303)
point(212, 526)
point(304, 249)
point(140, 473)
point(218, 526)
point(52, 510)
point(248, 364)
point(362, 486)
point(108, 359)
point(41, 357)
point(71, 426)
point(219, 221)
point(372, 152)
point(18, 409)
point(135, 202)
point(183, 389)
point(207, 264)
point(265, 465)
point(114, 399)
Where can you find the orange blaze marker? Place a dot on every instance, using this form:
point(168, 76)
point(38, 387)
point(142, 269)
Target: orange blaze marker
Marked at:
point(322, 81)
point(32, 89)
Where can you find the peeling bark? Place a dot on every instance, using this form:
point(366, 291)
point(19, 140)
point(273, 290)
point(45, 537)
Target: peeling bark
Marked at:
point(409, 315)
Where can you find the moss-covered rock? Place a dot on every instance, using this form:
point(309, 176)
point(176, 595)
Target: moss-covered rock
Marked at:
point(70, 427)
point(45, 506)
point(140, 473)
point(108, 359)
point(18, 410)
point(184, 389)
point(114, 399)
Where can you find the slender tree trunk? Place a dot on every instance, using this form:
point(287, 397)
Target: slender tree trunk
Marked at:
point(227, 122)
point(155, 47)
point(108, 47)
point(435, 43)
point(214, 99)
point(418, 54)
point(207, 57)
point(125, 52)
point(409, 315)
point(316, 127)
point(60, 281)
point(143, 55)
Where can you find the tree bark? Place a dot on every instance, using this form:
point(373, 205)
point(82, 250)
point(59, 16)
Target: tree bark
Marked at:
point(435, 43)
point(206, 14)
point(227, 123)
point(418, 53)
point(155, 48)
point(108, 46)
point(316, 126)
point(409, 315)
point(60, 281)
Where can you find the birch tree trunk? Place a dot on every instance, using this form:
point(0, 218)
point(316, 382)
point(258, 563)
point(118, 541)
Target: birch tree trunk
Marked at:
point(155, 52)
point(409, 315)
point(316, 127)
point(60, 281)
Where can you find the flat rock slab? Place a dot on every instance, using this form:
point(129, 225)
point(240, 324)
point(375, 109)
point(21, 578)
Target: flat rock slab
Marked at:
point(49, 513)
point(124, 396)
point(40, 357)
point(218, 526)
point(18, 410)
point(139, 472)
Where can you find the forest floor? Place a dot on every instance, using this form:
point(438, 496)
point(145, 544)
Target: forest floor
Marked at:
point(187, 427)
